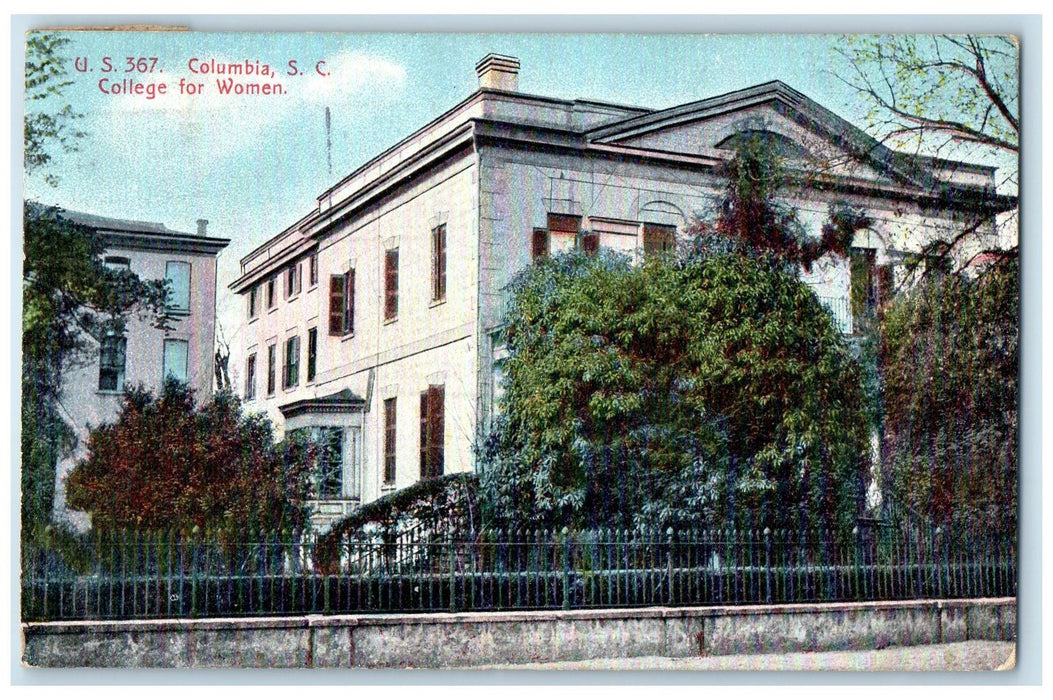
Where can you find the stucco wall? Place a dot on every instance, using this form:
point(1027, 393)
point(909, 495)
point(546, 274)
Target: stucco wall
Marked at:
point(472, 639)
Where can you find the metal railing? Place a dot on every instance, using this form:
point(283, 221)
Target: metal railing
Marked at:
point(841, 309)
point(164, 575)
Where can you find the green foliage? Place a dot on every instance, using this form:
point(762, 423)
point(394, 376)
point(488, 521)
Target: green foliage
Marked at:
point(70, 300)
point(753, 221)
point(951, 355)
point(167, 463)
point(49, 123)
point(709, 391)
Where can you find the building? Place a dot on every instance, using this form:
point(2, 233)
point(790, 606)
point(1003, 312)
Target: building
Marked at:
point(92, 392)
point(374, 320)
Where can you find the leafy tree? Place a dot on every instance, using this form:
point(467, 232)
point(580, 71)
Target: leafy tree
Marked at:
point(70, 301)
point(49, 124)
point(70, 298)
point(167, 463)
point(710, 391)
point(950, 96)
point(753, 220)
point(951, 370)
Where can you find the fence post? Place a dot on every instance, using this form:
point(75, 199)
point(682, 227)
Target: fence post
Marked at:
point(937, 574)
point(767, 564)
point(566, 569)
point(453, 567)
point(669, 565)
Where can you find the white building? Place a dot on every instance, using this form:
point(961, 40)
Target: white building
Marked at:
point(373, 320)
point(92, 392)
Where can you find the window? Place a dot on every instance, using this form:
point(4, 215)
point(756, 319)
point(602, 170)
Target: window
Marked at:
point(292, 280)
point(272, 297)
point(291, 368)
point(871, 284)
point(312, 270)
point(112, 353)
point(389, 441)
point(254, 302)
point(438, 263)
point(590, 242)
point(658, 239)
point(272, 358)
point(118, 263)
point(328, 478)
point(342, 303)
point(432, 432)
point(563, 232)
point(177, 274)
point(250, 377)
point(312, 353)
point(175, 360)
point(391, 284)
point(539, 244)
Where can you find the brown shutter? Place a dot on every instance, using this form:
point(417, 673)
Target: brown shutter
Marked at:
point(391, 284)
point(436, 429)
point(658, 238)
point(590, 243)
point(349, 292)
point(424, 435)
point(539, 244)
point(336, 305)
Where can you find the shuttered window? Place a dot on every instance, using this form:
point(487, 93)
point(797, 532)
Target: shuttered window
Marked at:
point(250, 377)
point(438, 263)
point(590, 242)
point(391, 284)
point(539, 244)
point(658, 239)
point(432, 431)
point(342, 303)
point(312, 353)
point(272, 359)
point(291, 368)
point(389, 440)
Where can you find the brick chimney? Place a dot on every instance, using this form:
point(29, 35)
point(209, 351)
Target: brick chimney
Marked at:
point(497, 72)
point(202, 224)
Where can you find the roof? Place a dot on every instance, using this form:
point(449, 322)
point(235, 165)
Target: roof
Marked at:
point(144, 235)
point(343, 401)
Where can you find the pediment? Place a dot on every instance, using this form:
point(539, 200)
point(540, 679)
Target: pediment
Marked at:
point(804, 134)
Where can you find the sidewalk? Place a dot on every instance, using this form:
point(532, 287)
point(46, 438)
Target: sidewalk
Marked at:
point(961, 656)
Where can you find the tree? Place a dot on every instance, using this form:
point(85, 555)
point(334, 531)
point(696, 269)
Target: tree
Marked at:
point(166, 463)
point(49, 124)
point(753, 220)
point(951, 96)
point(70, 301)
point(951, 352)
point(710, 391)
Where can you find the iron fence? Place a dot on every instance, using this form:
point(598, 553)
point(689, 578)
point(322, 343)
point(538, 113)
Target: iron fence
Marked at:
point(164, 575)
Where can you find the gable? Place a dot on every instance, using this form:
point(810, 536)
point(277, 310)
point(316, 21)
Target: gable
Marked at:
point(707, 134)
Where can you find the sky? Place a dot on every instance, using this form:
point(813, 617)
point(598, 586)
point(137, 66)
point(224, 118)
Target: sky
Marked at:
point(253, 165)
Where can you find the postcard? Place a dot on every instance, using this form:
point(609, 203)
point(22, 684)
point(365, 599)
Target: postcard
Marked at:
point(520, 350)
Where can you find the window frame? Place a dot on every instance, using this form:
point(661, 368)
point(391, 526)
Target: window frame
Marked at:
point(391, 284)
point(250, 377)
point(312, 354)
point(293, 282)
point(658, 239)
point(165, 373)
point(438, 263)
point(170, 305)
point(291, 363)
point(342, 304)
point(254, 302)
point(272, 293)
point(390, 440)
point(120, 350)
point(433, 431)
point(312, 270)
point(272, 359)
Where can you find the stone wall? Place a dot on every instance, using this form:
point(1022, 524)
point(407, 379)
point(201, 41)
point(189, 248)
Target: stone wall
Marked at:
point(445, 640)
